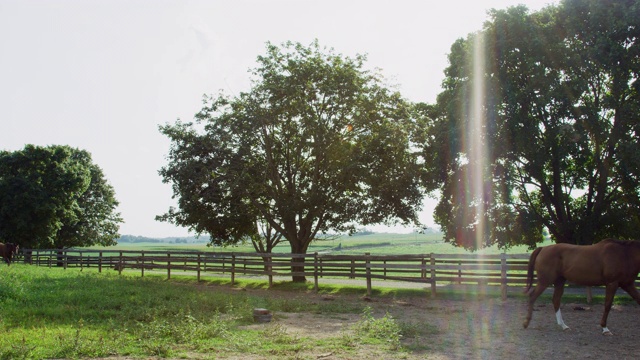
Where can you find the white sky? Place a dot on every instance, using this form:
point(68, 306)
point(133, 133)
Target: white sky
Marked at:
point(102, 75)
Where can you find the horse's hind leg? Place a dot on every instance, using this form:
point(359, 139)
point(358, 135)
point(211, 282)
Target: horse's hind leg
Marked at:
point(558, 290)
point(631, 290)
point(608, 302)
point(539, 289)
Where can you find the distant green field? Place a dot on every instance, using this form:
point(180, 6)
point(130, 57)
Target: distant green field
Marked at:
point(379, 244)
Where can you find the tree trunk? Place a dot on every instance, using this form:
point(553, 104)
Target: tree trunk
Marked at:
point(298, 266)
point(297, 263)
point(266, 260)
point(60, 257)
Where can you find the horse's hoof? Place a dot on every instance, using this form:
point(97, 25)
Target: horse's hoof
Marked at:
point(607, 333)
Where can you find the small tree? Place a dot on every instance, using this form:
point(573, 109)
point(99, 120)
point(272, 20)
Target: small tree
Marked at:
point(55, 197)
point(318, 144)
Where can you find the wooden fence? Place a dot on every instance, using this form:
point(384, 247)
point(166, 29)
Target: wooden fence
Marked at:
point(502, 270)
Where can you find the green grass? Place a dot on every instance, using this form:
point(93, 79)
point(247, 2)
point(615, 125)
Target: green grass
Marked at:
point(376, 244)
point(57, 313)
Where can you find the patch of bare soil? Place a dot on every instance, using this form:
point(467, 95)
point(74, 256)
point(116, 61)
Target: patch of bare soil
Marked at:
point(315, 326)
point(481, 328)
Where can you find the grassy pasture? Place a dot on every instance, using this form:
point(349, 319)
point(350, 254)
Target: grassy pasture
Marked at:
point(57, 313)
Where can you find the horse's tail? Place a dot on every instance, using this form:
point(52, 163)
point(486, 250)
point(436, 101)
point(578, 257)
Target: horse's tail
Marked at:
point(532, 263)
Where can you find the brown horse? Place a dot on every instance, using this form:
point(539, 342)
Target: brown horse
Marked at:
point(7, 251)
point(612, 263)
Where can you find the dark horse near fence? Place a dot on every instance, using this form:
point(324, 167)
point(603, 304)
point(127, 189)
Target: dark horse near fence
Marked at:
point(612, 263)
point(7, 251)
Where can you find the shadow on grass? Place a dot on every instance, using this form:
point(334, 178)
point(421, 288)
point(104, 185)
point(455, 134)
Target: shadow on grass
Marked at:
point(468, 293)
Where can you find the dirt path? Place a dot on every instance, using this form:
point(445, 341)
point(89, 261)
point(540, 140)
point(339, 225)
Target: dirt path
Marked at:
point(484, 329)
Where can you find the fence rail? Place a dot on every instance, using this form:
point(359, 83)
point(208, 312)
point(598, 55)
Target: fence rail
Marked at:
point(503, 270)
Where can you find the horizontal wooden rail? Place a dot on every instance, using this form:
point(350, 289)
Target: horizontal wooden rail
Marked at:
point(502, 270)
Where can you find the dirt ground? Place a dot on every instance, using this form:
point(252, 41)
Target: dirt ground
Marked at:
point(486, 328)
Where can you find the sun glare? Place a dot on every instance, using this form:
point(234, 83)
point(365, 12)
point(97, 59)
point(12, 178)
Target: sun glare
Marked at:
point(477, 152)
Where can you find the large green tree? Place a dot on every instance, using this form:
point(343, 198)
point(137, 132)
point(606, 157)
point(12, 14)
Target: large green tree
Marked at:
point(55, 197)
point(318, 144)
point(557, 97)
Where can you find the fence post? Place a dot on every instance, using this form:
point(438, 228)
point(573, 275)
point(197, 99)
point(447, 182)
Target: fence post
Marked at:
point(233, 269)
point(368, 271)
point(81, 267)
point(100, 262)
point(168, 265)
point(315, 272)
point(433, 275)
point(353, 269)
point(204, 265)
point(503, 275)
point(198, 267)
point(142, 264)
point(120, 265)
point(269, 268)
point(65, 259)
point(384, 263)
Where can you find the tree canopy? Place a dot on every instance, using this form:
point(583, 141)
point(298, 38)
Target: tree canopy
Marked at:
point(317, 144)
point(55, 197)
point(559, 108)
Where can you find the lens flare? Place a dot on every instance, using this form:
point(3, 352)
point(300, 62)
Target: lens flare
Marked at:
point(477, 151)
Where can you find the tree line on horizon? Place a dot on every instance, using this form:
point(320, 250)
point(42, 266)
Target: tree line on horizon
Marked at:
point(321, 143)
